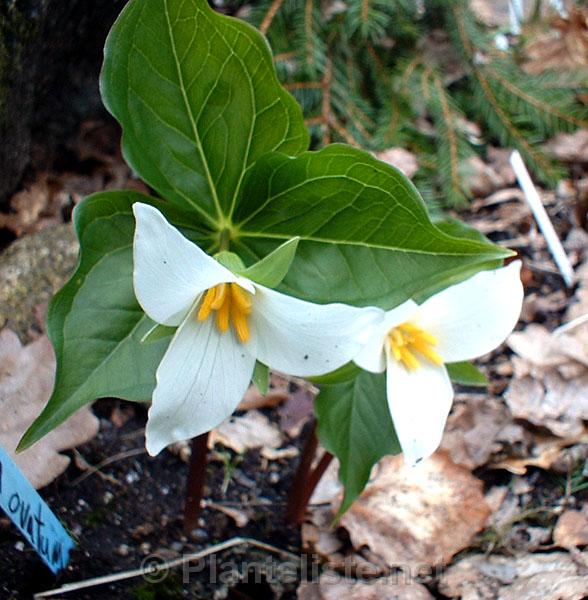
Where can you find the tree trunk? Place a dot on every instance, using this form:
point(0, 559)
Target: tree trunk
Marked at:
point(50, 57)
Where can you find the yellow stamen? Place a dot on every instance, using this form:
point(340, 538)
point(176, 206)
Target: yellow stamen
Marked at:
point(408, 359)
point(232, 305)
point(408, 339)
point(206, 306)
point(241, 299)
point(239, 320)
point(220, 296)
point(222, 316)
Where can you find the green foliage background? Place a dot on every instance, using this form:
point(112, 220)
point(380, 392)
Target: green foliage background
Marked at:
point(367, 72)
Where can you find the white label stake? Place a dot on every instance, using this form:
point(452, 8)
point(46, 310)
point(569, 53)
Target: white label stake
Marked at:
point(29, 512)
point(545, 225)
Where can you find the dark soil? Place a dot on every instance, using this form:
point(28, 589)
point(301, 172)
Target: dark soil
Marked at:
point(131, 512)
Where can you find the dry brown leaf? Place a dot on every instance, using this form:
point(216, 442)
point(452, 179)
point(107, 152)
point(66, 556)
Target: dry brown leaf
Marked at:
point(553, 576)
point(550, 387)
point(405, 514)
point(571, 529)
point(472, 429)
point(332, 586)
point(569, 147)
point(562, 48)
point(546, 451)
point(242, 433)
point(296, 411)
point(26, 380)
point(253, 398)
point(400, 158)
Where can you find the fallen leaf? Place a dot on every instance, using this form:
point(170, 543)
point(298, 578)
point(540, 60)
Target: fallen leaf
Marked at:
point(26, 380)
point(550, 387)
point(571, 529)
point(546, 451)
point(554, 576)
point(332, 586)
point(564, 47)
point(568, 147)
point(472, 429)
point(296, 411)
point(242, 433)
point(405, 514)
point(400, 158)
point(253, 398)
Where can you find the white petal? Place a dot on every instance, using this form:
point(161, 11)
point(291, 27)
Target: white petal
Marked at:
point(169, 270)
point(419, 402)
point(304, 339)
point(372, 357)
point(200, 381)
point(473, 317)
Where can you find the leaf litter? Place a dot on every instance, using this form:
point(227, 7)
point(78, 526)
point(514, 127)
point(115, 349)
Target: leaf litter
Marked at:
point(26, 380)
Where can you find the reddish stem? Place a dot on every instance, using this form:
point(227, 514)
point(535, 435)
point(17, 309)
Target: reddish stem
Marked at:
point(306, 480)
point(195, 483)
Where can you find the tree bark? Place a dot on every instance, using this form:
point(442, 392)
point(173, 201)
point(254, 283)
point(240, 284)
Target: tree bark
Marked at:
point(50, 57)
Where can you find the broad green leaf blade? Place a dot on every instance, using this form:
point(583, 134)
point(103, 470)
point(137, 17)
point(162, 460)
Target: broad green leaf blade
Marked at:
point(343, 374)
point(198, 99)
point(354, 424)
point(466, 373)
point(261, 377)
point(365, 235)
point(458, 229)
point(95, 322)
point(158, 332)
point(271, 270)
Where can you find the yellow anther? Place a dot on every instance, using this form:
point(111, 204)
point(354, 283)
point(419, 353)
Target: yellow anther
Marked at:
point(206, 306)
point(241, 299)
point(239, 320)
point(222, 316)
point(232, 305)
point(409, 360)
point(408, 339)
point(220, 296)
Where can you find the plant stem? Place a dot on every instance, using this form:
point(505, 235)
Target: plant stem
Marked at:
point(195, 483)
point(305, 479)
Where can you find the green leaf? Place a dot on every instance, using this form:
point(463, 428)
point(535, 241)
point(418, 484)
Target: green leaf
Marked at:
point(466, 373)
point(261, 377)
point(271, 270)
point(230, 260)
point(341, 375)
point(365, 235)
point(95, 322)
point(199, 101)
point(459, 229)
point(158, 332)
point(354, 424)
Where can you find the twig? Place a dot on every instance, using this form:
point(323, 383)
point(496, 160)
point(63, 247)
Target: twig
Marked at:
point(108, 461)
point(545, 225)
point(151, 569)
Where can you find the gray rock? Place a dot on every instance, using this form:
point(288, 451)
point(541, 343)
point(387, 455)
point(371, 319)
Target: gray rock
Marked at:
point(32, 269)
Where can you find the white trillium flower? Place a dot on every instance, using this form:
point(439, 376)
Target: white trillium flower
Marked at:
point(413, 342)
point(225, 322)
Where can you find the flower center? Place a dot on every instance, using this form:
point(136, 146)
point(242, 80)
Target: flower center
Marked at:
point(232, 304)
point(406, 340)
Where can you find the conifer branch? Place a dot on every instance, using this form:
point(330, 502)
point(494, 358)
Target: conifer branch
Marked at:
point(269, 16)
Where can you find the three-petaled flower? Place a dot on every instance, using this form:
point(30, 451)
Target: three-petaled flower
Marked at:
point(225, 323)
point(412, 343)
